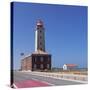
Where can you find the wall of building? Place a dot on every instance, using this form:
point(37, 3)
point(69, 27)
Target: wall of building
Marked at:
point(41, 62)
point(26, 63)
point(36, 62)
point(66, 67)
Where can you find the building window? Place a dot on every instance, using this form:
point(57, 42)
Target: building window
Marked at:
point(40, 31)
point(35, 59)
point(47, 65)
point(41, 66)
point(35, 66)
point(41, 59)
point(40, 37)
point(40, 43)
point(48, 59)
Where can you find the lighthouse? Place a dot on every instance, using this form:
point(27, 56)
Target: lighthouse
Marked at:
point(39, 60)
point(40, 36)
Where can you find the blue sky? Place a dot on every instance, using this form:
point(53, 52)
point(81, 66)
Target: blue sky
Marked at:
point(65, 32)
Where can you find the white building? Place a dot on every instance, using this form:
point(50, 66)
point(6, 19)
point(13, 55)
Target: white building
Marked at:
point(69, 66)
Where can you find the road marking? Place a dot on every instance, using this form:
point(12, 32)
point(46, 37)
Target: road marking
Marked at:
point(30, 83)
point(15, 86)
point(43, 81)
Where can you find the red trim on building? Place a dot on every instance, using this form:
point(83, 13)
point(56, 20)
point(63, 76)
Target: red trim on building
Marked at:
point(71, 65)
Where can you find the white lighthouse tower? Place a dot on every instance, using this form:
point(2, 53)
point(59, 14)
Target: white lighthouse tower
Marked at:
point(39, 36)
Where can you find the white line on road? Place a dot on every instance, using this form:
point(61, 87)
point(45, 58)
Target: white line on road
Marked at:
point(15, 86)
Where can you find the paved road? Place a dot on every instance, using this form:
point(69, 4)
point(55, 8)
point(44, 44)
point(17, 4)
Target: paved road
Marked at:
point(26, 79)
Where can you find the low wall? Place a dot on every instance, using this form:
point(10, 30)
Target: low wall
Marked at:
point(82, 78)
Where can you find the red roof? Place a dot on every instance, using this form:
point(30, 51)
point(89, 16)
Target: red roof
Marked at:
point(71, 65)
